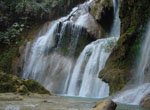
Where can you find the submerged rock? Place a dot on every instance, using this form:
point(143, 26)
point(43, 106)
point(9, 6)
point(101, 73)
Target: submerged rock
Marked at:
point(105, 105)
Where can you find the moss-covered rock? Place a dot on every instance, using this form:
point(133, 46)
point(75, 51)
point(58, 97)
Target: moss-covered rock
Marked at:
point(119, 68)
point(106, 104)
point(34, 87)
point(103, 13)
point(10, 83)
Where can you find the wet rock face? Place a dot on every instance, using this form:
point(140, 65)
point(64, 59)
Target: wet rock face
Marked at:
point(145, 102)
point(82, 36)
point(92, 26)
point(105, 105)
point(103, 12)
point(61, 7)
point(147, 72)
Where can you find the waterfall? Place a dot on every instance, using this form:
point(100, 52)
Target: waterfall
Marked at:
point(85, 81)
point(52, 59)
point(133, 96)
point(141, 88)
point(51, 56)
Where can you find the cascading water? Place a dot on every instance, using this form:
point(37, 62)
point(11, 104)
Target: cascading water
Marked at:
point(115, 31)
point(85, 81)
point(145, 56)
point(142, 88)
point(50, 59)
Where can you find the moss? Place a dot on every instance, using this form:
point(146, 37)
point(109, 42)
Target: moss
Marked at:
point(8, 83)
point(22, 90)
point(35, 87)
point(11, 83)
point(7, 87)
point(119, 68)
point(6, 58)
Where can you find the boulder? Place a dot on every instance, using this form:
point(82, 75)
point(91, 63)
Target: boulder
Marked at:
point(105, 105)
point(145, 102)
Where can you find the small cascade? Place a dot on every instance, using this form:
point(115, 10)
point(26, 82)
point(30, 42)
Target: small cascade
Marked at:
point(115, 30)
point(145, 58)
point(85, 81)
point(133, 96)
point(141, 87)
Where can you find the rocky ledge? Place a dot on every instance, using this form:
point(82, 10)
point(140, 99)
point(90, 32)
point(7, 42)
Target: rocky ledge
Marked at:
point(11, 83)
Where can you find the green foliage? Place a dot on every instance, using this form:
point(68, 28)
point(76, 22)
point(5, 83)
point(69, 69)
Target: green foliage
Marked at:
point(22, 11)
point(6, 58)
point(35, 87)
point(10, 36)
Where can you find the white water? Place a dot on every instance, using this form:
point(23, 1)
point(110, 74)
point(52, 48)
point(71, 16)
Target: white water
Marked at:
point(115, 31)
point(85, 81)
point(60, 74)
point(43, 60)
point(145, 56)
point(133, 96)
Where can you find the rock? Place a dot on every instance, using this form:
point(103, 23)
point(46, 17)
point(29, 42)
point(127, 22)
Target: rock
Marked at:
point(105, 105)
point(103, 13)
point(22, 90)
point(145, 102)
point(35, 87)
point(11, 83)
point(91, 25)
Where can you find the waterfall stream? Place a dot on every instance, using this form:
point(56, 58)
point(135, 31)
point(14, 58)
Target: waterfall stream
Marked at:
point(52, 59)
point(85, 81)
point(141, 86)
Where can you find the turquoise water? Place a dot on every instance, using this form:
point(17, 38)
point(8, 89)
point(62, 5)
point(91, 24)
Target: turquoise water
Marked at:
point(93, 101)
point(129, 107)
point(55, 103)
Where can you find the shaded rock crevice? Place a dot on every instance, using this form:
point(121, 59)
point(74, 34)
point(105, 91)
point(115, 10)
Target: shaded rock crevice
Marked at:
point(103, 12)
